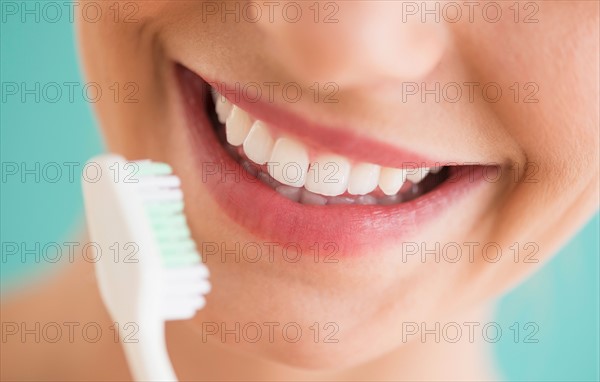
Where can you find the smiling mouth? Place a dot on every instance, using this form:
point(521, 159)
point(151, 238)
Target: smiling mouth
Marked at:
point(337, 187)
point(307, 175)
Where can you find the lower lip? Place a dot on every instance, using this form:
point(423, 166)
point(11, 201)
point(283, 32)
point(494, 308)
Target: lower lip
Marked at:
point(273, 218)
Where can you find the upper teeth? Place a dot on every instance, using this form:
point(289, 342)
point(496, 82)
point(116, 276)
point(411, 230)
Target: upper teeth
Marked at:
point(328, 175)
point(391, 180)
point(289, 163)
point(222, 106)
point(237, 126)
point(258, 145)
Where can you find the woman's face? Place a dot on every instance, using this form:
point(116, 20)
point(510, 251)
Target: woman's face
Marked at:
point(505, 96)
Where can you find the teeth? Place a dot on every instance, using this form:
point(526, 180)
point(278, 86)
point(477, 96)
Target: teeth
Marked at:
point(328, 175)
point(390, 199)
point(289, 162)
point(308, 197)
point(237, 126)
point(363, 178)
point(291, 193)
point(416, 175)
point(391, 180)
point(341, 200)
point(366, 200)
point(258, 144)
point(222, 106)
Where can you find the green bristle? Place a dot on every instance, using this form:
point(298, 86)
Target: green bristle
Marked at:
point(174, 233)
point(154, 168)
point(166, 221)
point(174, 243)
point(164, 208)
point(183, 251)
point(169, 224)
point(171, 247)
point(181, 261)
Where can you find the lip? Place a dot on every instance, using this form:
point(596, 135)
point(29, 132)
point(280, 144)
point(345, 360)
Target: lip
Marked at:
point(269, 216)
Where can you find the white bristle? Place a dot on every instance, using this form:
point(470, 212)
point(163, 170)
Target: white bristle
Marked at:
point(184, 245)
point(182, 309)
point(162, 195)
point(190, 287)
point(184, 290)
point(191, 272)
point(183, 301)
point(163, 181)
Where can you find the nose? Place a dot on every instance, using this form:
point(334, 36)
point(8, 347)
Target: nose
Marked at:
point(354, 42)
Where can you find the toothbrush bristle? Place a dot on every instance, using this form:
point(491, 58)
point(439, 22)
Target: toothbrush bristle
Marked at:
point(185, 277)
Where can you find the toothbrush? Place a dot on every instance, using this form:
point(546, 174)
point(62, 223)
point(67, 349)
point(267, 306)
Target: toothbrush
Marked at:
point(149, 270)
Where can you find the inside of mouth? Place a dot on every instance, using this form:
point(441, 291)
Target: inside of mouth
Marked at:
point(409, 190)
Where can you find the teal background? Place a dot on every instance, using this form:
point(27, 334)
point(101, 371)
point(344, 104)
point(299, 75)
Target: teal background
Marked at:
point(562, 298)
point(44, 132)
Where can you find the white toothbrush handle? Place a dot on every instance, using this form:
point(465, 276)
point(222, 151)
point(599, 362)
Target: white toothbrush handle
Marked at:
point(148, 358)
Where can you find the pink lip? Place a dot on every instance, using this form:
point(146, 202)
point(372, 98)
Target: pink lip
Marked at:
point(268, 215)
point(339, 141)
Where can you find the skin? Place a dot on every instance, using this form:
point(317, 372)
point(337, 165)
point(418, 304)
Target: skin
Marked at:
point(367, 297)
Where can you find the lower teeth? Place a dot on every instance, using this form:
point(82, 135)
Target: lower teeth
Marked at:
point(301, 195)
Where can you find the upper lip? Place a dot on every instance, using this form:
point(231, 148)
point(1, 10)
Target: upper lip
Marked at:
point(339, 140)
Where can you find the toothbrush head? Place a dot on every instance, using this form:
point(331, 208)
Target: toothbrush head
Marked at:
point(149, 266)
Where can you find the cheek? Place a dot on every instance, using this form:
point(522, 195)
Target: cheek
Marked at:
point(548, 72)
point(126, 62)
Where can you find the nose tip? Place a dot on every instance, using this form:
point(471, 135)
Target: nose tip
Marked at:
point(355, 42)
